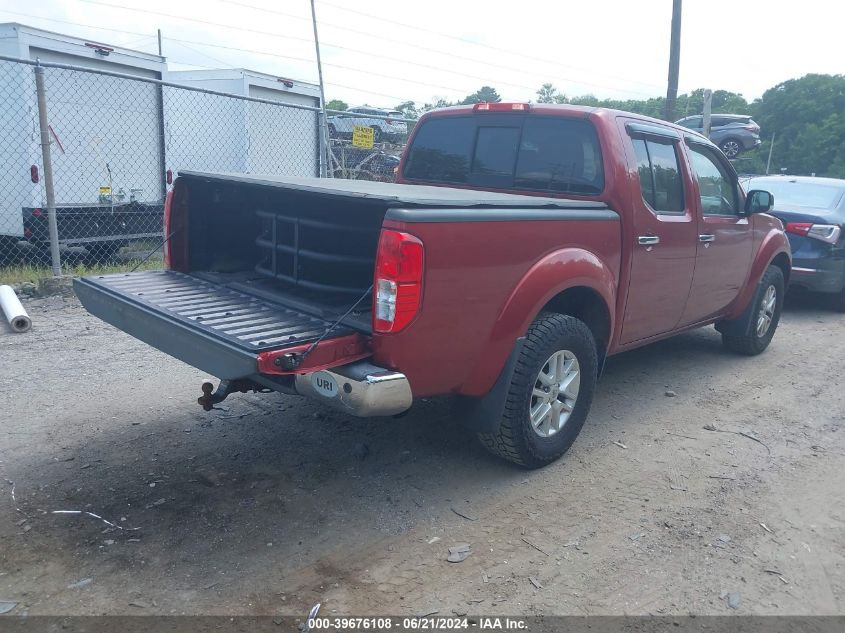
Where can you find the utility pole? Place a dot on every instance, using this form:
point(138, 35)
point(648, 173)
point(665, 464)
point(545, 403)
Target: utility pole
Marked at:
point(769, 161)
point(705, 112)
point(43, 122)
point(325, 171)
point(674, 61)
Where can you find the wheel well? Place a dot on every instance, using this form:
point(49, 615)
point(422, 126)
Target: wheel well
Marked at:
point(588, 306)
point(782, 262)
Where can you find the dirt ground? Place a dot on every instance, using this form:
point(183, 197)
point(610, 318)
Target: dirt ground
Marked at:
point(272, 504)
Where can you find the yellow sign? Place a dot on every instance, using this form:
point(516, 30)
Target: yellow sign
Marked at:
point(105, 191)
point(362, 136)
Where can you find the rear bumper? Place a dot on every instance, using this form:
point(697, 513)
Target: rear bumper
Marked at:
point(360, 389)
point(825, 278)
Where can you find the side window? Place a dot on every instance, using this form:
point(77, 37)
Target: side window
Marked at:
point(693, 122)
point(660, 174)
point(716, 187)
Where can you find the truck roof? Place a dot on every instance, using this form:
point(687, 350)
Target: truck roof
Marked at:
point(393, 194)
point(566, 109)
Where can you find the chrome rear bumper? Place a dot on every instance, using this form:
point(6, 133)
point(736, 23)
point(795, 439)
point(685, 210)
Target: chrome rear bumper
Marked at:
point(360, 389)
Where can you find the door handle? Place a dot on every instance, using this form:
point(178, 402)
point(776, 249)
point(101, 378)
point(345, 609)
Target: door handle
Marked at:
point(648, 240)
point(706, 238)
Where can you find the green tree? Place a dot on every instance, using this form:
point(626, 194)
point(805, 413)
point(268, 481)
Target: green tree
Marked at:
point(546, 93)
point(408, 109)
point(336, 104)
point(807, 117)
point(485, 94)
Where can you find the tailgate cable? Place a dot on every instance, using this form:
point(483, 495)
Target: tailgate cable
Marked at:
point(293, 360)
point(155, 250)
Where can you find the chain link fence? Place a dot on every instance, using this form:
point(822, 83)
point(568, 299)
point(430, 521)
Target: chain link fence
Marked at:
point(116, 141)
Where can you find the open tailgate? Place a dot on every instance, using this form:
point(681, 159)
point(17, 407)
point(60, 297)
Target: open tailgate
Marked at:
point(224, 332)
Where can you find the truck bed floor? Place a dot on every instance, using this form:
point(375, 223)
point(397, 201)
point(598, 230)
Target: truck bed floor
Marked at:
point(249, 322)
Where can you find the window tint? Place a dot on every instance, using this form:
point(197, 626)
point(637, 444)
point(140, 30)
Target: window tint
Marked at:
point(644, 169)
point(660, 175)
point(442, 150)
point(495, 150)
point(668, 186)
point(715, 184)
point(532, 153)
point(693, 123)
point(559, 155)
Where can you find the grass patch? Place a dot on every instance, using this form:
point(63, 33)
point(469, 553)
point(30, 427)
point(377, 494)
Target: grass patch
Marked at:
point(28, 272)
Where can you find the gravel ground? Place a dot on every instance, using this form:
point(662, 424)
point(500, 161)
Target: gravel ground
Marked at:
point(731, 493)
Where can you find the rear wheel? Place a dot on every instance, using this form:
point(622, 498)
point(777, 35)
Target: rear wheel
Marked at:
point(766, 306)
point(731, 147)
point(550, 393)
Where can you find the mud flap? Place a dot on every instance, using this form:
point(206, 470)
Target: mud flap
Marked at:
point(483, 415)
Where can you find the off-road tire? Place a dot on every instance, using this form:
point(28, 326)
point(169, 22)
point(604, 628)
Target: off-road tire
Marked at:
point(750, 344)
point(515, 440)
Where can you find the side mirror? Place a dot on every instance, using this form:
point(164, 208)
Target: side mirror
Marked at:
point(759, 201)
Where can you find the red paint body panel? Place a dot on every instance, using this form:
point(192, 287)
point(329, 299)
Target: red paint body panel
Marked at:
point(476, 304)
point(484, 283)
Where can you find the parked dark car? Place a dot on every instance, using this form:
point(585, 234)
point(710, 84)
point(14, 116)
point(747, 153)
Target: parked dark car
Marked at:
point(813, 212)
point(733, 133)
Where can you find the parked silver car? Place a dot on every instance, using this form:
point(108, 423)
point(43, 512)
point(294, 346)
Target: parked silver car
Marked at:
point(733, 133)
point(384, 129)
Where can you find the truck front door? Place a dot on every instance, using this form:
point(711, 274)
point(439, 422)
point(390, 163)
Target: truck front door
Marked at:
point(725, 248)
point(664, 236)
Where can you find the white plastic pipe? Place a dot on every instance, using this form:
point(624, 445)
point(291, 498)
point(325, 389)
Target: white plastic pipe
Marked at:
point(15, 314)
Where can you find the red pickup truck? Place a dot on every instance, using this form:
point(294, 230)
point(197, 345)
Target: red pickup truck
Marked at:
point(522, 245)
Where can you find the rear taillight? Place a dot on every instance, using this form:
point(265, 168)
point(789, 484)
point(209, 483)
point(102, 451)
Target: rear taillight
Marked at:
point(825, 232)
point(398, 281)
point(176, 228)
point(168, 203)
point(37, 213)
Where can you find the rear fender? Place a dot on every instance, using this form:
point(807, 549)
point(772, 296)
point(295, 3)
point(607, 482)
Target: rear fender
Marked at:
point(553, 274)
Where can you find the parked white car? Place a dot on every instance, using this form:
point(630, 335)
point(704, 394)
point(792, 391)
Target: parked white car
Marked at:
point(384, 129)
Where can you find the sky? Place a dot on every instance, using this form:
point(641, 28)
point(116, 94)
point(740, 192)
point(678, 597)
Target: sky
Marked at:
point(384, 52)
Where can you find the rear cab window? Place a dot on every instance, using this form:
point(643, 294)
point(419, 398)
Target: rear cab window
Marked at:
point(552, 154)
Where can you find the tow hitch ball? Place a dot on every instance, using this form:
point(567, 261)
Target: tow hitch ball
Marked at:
point(211, 396)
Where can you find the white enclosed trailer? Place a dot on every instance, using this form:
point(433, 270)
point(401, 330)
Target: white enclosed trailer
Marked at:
point(272, 129)
point(106, 131)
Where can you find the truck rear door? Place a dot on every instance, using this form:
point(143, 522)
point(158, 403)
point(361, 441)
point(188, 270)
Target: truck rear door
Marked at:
point(663, 255)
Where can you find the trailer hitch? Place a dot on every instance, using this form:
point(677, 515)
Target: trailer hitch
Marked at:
point(211, 396)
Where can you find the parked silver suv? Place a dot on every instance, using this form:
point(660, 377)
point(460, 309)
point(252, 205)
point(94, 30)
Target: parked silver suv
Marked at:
point(384, 129)
point(733, 133)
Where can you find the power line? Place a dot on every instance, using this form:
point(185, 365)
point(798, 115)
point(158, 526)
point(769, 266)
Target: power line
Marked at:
point(305, 59)
point(439, 52)
point(346, 48)
point(87, 26)
point(481, 44)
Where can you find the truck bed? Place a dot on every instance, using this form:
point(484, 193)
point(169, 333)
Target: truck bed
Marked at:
point(210, 326)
